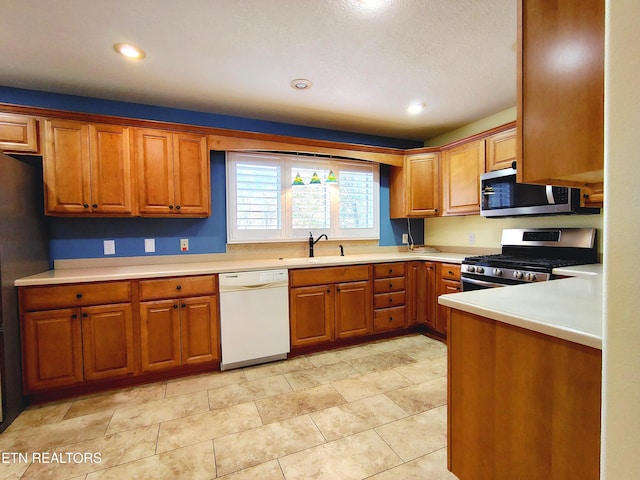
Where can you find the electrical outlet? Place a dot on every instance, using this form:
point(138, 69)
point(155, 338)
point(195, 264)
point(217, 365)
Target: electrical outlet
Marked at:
point(184, 244)
point(472, 238)
point(109, 247)
point(149, 245)
point(405, 238)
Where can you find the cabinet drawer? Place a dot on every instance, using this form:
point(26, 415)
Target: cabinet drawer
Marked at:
point(76, 295)
point(322, 276)
point(449, 286)
point(385, 300)
point(384, 285)
point(382, 270)
point(451, 271)
point(177, 287)
point(389, 319)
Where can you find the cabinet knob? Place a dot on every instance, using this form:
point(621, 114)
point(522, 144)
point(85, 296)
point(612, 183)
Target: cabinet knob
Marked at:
point(74, 316)
point(177, 207)
point(179, 287)
point(175, 306)
point(328, 291)
point(391, 270)
point(85, 205)
point(391, 319)
point(391, 285)
point(78, 295)
point(390, 300)
point(450, 272)
point(184, 305)
point(95, 205)
point(85, 315)
point(337, 289)
point(170, 207)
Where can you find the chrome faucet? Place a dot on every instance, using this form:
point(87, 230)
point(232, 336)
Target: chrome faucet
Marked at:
point(312, 242)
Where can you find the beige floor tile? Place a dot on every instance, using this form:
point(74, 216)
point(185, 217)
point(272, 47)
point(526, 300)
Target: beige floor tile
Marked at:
point(196, 462)
point(116, 399)
point(207, 381)
point(277, 368)
point(12, 469)
point(247, 391)
point(358, 416)
point(381, 361)
point(158, 411)
point(265, 471)
point(384, 346)
point(320, 375)
point(246, 449)
point(428, 467)
point(424, 370)
point(431, 349)
point(57, 434)
point(418, 435)
point(293, 404)
point(40, 415)
point(321, 359)
point(422, 396)
point(207, 426)
point(113, 450)
point(369, 385)
point(355, 457)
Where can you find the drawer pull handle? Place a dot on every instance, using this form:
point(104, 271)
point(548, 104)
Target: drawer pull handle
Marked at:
point(390, 300)
point(78, 295)
point(179, 287)
point(391, 319)
point(391, 270)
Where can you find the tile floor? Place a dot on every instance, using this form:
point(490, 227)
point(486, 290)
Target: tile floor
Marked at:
point(374, 411)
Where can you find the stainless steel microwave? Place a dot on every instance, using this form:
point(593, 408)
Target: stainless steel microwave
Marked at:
point(503, 196)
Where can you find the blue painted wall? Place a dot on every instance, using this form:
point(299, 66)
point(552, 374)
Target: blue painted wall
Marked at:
point(73, 238)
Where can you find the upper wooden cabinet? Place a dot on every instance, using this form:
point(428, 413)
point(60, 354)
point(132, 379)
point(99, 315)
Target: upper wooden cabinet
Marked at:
point(501, 150)
point(414, 189)
point(461, 170)
point(561, 92)
point(87, 169)
point(18, 133)
point(172, 173)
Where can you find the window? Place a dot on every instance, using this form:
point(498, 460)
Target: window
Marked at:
point(263, 205)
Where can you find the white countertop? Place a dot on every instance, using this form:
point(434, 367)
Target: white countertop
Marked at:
point(102, 274)
point(569, 308)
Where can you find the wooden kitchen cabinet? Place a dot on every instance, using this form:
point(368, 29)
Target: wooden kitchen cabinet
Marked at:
point(501, 150)
point(178, 322)
point(390, 300)
point(461, 170)
point(561, 92)
point(87, 169)
point(76, 333)
point(448, 282)
point(172, 174)
point(18, 133)
point(329, 303)
point(415, 188)
point(520, 404)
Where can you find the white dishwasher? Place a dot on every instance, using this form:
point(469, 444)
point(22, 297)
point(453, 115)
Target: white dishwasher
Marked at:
point(254, 317)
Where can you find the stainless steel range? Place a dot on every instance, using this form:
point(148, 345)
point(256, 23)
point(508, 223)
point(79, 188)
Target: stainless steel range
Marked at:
point(530, 255)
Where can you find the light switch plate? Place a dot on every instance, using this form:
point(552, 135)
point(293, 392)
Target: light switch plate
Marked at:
point(405, 238)
point(184, 244)
point(109, 247)
point(149, 245)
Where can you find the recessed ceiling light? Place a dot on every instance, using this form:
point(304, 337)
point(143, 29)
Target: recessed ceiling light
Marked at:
point(415, 108)
point(301, 84)
point(129, 51)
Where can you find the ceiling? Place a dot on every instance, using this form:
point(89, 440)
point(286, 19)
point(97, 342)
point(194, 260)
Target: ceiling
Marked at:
point(367, 63)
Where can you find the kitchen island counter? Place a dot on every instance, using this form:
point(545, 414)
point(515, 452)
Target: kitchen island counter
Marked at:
point(569, 308)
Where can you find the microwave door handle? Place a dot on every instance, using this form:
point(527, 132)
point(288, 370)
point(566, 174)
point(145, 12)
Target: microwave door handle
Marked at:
point(549, 191)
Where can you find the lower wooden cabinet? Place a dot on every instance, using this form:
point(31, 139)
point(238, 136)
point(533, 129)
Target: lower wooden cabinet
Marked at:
point(448, 282)
point(332, 310)
point(66, 346)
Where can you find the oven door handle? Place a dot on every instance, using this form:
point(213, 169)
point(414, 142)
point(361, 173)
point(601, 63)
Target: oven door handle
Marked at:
point(482, 283)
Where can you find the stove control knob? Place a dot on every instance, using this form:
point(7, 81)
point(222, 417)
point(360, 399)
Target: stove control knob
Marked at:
point(518, 274)
point(531, 277)
point(471, 269)
point(497, 272)
point(480, 270)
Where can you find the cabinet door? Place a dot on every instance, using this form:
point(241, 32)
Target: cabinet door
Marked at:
point(66, 167)
point(191, 175)
point(199, 327)
point(160, 334)
point(423, 196)
point(461, 170)
point(107, 339)
point(446, 286)
point(52, 349)
point(501, 150)
point(154, 166)
point(353, 309)
point(110, 169)
point(18, 133)
point(311, 314)
point(416, 293)
point(431, 294)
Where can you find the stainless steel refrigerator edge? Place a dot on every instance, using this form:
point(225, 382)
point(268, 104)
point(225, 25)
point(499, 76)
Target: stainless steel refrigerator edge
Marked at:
point(24, 250)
